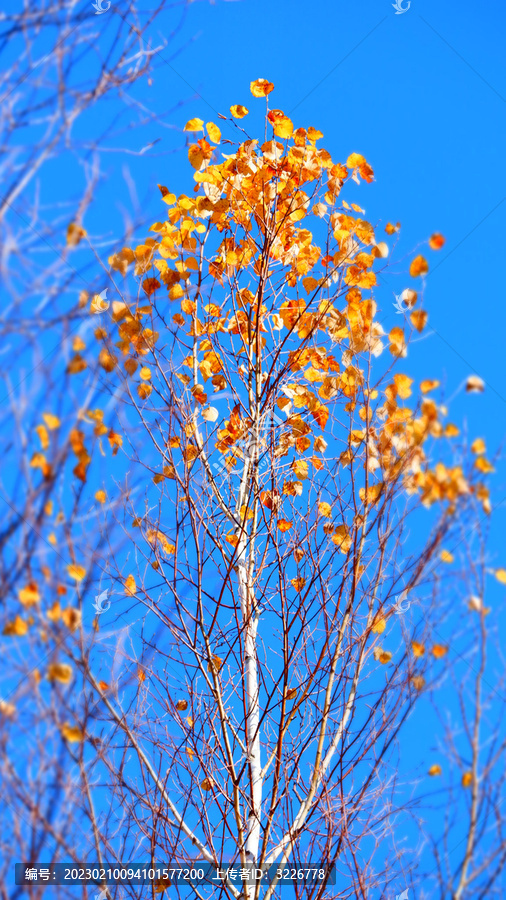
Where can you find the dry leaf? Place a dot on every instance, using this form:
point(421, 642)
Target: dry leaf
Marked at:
point(475, 384)
point(59, 672)
point(72, 733)
point(76, 572)
point(446, 557)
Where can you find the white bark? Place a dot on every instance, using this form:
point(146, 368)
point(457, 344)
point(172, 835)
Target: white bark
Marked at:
point(250, 620)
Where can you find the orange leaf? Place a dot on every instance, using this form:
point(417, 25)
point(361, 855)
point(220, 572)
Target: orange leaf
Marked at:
point(284, 525)
point(281, 124)
point(239, 111)
point(194, 125)
point(446, 557)
point(419, 319)
point(130, 586)
point(419, 266)
point(436, 241)
point(298, 583)
point(261, 87)
point(379, 625)
point(213, 132)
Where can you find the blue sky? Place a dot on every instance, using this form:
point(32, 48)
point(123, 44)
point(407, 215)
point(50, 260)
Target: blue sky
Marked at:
point(420, 94)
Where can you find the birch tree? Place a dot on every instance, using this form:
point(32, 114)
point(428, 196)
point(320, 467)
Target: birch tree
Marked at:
point(242, 696)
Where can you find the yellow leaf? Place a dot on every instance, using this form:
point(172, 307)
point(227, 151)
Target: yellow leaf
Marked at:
point(403, 385)
point(310, 284)
point(29, 595)
point(72, 733)
point(7, 709)
point(325, 510)
point(97, 305)
point(419, 318)
point(398, 343)
point(181, 705)
point(354, 160)
point(300, 468)
point(17, 628)
point(379, 625)
point(500, 574)
point(342, 538)
point(419, 266)
point(194, 125)
point(76, 572)
point(382, 656)
point(206, 784)
point(446, 557)
point(439, 650)
point(418, 682)
point(483, 465)
point(298, 583)
point(75, 234)
point(467, 779)
point(145, 373)
point(144, 390)
point(71, 617)
point(210, 414)
point(54, 612)
point(130, 586)
point(100, 496)
point(281, 124)
point(43, 436)
point(372, 494)
point(215, 663)
point(213, 132)
point(59, 672)
point(435, 770)
point(417, 648)
point(261, 87)
point(315, 135)
point(239, 111)
point(478, 446)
